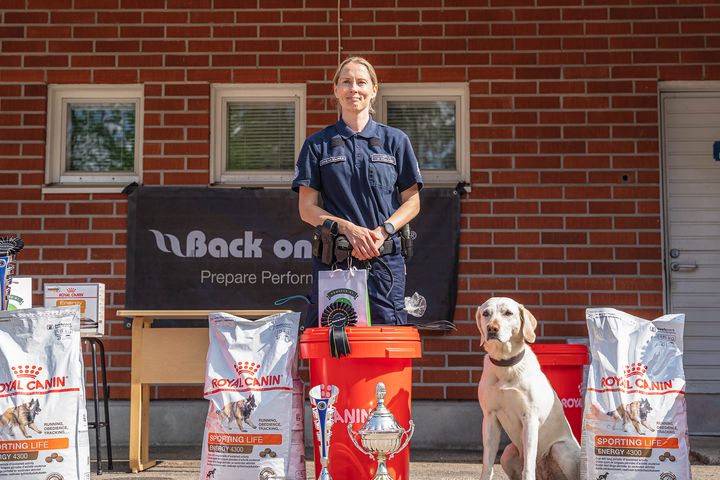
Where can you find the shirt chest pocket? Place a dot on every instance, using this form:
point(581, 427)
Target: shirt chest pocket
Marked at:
point(383, 171)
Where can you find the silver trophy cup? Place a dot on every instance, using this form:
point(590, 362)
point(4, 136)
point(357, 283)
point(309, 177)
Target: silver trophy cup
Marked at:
point(381, 435)
point(322, 398)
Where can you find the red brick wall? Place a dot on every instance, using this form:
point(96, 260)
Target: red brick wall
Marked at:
point(565, 205)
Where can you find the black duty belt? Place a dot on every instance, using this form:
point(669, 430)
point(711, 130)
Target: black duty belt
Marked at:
point(387, 247)
point(343, 244)
point(332, 248)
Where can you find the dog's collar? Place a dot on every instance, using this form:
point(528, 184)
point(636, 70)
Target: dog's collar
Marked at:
point(509, 362)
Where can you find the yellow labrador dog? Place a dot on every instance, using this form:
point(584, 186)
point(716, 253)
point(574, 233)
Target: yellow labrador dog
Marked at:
point(516, 396)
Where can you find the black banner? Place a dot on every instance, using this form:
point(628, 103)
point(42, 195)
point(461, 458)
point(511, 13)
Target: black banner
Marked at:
point(210, 248)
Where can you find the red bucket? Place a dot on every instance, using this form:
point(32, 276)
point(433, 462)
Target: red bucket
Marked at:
point(378, 354)
point(563, 365)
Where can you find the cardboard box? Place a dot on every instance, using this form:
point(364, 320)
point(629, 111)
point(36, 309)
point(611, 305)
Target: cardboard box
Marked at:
point(20, 293)
point(89, 296)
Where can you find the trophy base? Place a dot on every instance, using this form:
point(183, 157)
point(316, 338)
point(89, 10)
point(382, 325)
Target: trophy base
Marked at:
point(324, 474)
point(382, 472)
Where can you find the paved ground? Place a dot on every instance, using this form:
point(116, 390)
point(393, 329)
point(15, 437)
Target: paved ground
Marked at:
point(184, 464)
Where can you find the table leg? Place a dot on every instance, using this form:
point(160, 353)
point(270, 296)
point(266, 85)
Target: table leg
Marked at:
point(145, 437)
point(139, 403)
point(135, 426)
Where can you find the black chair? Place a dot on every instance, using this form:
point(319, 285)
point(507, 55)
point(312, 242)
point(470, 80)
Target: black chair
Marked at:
point(95, 345)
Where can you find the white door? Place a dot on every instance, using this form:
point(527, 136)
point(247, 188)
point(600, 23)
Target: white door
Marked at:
point(691, 195)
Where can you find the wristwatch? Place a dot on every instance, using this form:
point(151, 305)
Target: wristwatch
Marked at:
point(389, 228)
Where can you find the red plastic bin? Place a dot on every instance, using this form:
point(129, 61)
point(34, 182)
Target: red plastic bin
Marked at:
point(378, 354)
point(563, 365)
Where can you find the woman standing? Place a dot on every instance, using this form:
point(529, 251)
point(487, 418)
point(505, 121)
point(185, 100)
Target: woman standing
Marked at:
point(364, 176)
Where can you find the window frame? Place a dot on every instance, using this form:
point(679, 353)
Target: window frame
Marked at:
point(220, 96)
point(59, 99)
point(459, 92)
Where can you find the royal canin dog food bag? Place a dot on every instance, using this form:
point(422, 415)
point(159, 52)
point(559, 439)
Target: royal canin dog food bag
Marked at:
point(635, 416)
point(43, 427)
point(249, 382)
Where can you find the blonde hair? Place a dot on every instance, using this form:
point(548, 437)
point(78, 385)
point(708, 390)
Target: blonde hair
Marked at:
point(371, 71)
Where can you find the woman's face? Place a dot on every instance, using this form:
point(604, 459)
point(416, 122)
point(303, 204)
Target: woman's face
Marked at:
point(354, 89)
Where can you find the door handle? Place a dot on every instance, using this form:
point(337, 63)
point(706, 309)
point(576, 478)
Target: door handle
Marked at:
point(676, 267)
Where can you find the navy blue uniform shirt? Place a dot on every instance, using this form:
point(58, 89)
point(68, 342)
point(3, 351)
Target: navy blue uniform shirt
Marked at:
point(359, 175)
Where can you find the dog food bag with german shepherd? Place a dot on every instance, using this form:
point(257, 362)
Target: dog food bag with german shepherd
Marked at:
point(635, 417)
point(43, 428)
point(249, 382)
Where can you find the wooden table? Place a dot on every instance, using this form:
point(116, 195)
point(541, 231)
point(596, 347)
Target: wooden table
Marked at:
point(165, 356)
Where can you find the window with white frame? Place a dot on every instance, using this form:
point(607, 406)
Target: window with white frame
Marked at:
point(257, 132)
point(94, 135)
point(436, 118)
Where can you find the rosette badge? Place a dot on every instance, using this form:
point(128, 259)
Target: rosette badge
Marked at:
point(9, 248)
point(340, 313)
point(10, 245)
point(336, 317)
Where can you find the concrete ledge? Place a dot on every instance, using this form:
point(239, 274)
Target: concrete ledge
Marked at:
point(699, 405)
point(705, 450)
point(438, 425)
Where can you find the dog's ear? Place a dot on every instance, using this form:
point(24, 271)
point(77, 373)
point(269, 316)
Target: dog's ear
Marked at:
point(478, 314)
point(529, 324)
